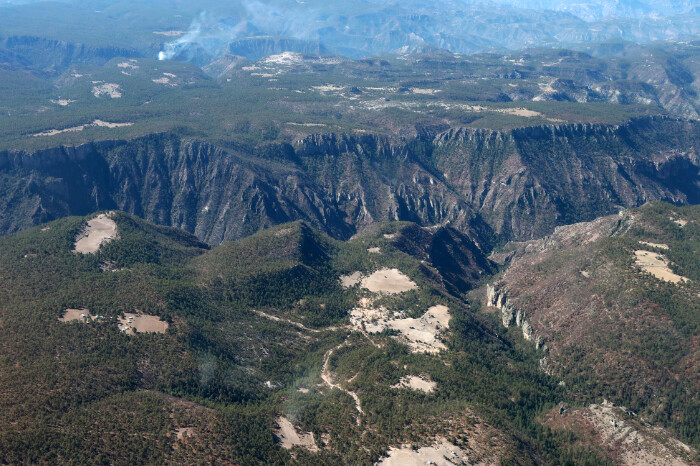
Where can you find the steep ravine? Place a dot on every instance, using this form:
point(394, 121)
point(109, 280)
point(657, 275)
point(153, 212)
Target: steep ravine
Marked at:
point(519, 184)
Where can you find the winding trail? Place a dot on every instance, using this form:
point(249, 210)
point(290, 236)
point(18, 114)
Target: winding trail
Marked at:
point(328, 379)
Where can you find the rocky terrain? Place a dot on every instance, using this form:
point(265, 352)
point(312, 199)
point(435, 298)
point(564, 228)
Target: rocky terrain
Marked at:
point(519, 184)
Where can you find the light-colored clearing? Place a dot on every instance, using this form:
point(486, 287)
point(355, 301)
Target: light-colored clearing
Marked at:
point(523, 112)
point(62, 102)
point(141, 323)
point(76, 129)
point(319, 125)
point(585, 274)
point(170, 75)
point(100, 230)
point(328, 88)
point(131, 64)
point(375, 250)
point(390, 236)
point(416, 383)
point(81, 314)
point(184, 432)
point(420, 334)
point(441, 454)
point(284, 58)
point(327, 378)
point(654, 245)
point(657, 265)
point(415, 90)
point(679, 221)
point(170, 33)
point(303, 390)
point(289, 437)
point(390, 281)
point(163, 80)
point(348, 281)
point(109, 89)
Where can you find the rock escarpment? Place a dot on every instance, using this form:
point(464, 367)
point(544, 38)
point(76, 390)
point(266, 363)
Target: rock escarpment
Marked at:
point(519, 184)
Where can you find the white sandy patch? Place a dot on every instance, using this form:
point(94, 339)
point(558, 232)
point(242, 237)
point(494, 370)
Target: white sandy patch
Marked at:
point(141, 323)
point(654, 245)
point(62, 102)
point(328, 88)
point(264, 75)
point(77, 129)
point(523, 112)
point(184, 432)
point(170, 75)
point(421, 334)
point(390, 236)
point(375, 250)
point(657, 265)
point(308, 125)
point(284, 58)
point(131, 64)
point(348, 281)
point(98, 231)
point(289, 437)
point(250, 68)
point(304, 390)
point(170, 33)
point(679, 221)
point(109, 89)
point(416, 90)
point(440, 454)
point(416, 383)
point(390, 281)
point(81, 314)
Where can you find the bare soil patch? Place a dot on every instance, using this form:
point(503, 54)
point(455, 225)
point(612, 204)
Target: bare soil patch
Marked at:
point(62, 102)
point(132, 324)
point(654, 245)
point(99, 230)
point(111, 90)
point(374, 250)
point(443, 453)
point(289, 437)
point(413, 382)
point(348, 281)
point(390, 281)
point(80, 314)
point(657, 265)
point(76, 129)
point(421, 334)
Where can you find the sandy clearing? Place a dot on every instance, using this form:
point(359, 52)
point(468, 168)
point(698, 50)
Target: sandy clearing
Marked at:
point(62, 102)
point(285, 58)
point(348, 281)
point(109, 89)
point(303, 390)
point(523, 112)
point(131, 64)
point(75, 129)
point(184, 432)
point(170, 75)
point(308, 125)
point(679, 221)
point(390, 236)
point(416, 90)
point(654, 245)
point(170, 33)
point(289, 437)
point(375, 250)
point(98, 231)
point(328, 88)
point(416, 383)
point(390, 281)
point(657, 265)
point(163, 80)
point(443, 453)
point(421, 334)
point(81, 314)
point(132, 324)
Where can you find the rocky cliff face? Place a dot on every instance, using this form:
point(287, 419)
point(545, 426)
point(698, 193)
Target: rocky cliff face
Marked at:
point(519, 184)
